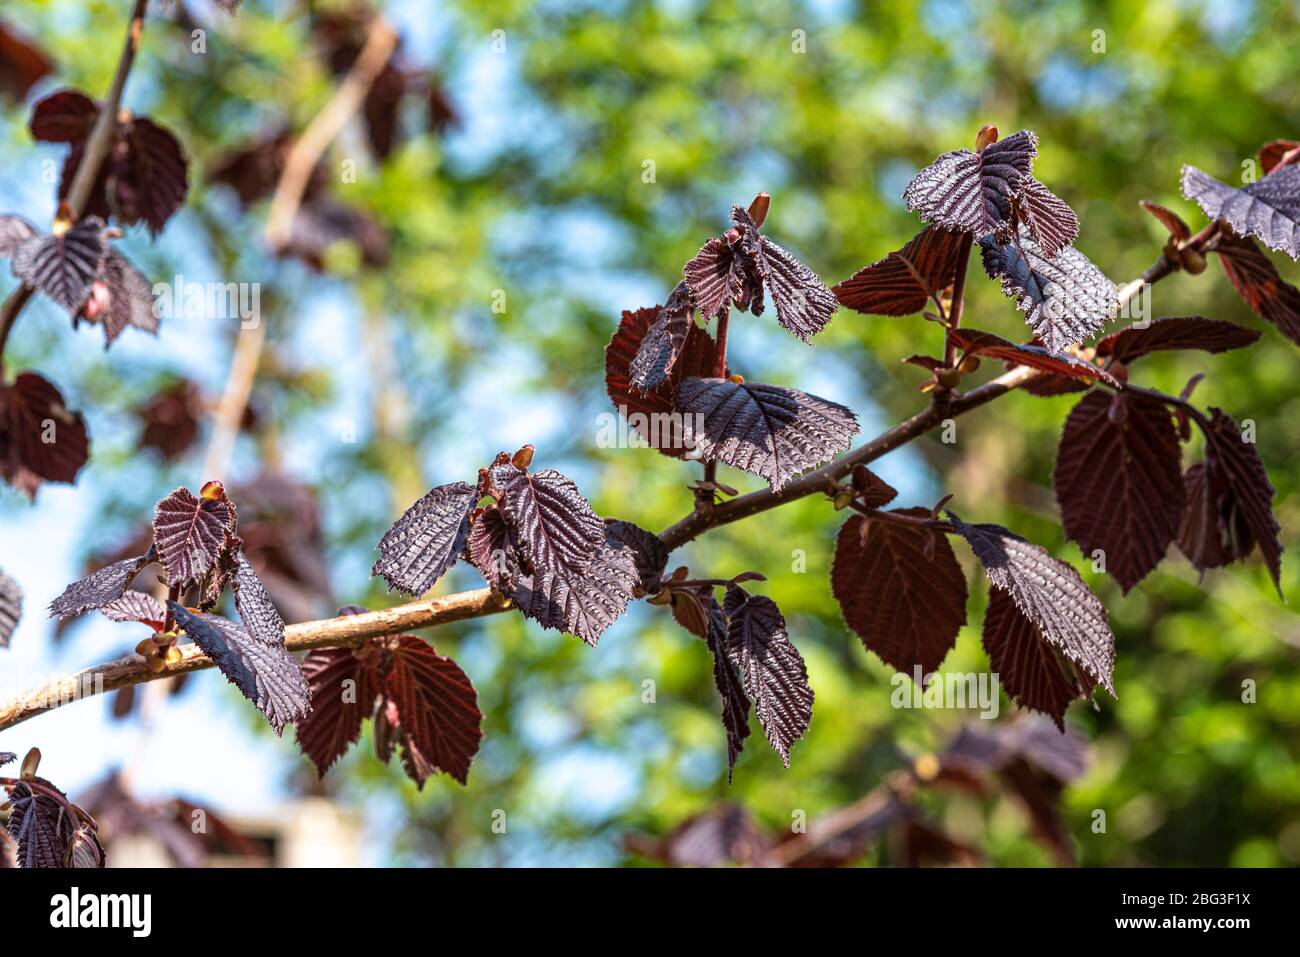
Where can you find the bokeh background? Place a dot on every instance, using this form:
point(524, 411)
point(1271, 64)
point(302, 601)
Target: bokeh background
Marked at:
point(518, 166)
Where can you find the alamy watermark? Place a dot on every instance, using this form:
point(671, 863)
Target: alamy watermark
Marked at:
point(181, 299)
point(659, 430)
point(949, 690)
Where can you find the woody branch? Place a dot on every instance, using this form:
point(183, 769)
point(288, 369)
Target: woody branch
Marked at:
point(353, 630)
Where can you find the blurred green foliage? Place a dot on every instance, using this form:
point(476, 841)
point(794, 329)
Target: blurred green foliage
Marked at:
point(541, 192)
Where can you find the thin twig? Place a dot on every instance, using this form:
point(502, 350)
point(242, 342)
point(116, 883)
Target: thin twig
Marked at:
point(958, 300)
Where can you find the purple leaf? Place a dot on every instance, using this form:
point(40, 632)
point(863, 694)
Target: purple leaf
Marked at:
point(190, 534)
point(1268, 208)
point(1049, 593)
point(558, 532)
point(63, 266)
point(427, 540)
point(735, 705)
point(257, 613)
point(663, 342)
point(14, 231)
point(492, 549)
point(1065, 298)
point(803, 303)
point(768, 430)
point(904, 281)
point(136, 606)
point(1048, 218)
point(128, 299)
point(972, 192)
point(584, 604)
point(266, 673)
point(775, 679)
point(648, 551)
point(100, 588)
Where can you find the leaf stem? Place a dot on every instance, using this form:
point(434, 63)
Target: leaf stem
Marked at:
point(720, 366)
point(958, 299)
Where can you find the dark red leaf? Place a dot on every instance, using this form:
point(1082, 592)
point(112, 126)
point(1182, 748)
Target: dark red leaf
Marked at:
point(1268, 208)
point(663, 342)
point(437, 709)
point(145, 175)
point(583, 604)
point(491, 548)
point(774, 676)
point(50, 831)
point(323, 222)
point(978, 343)
point(1035, 762)
point(900, 589)
point(152, 182)
point(803, 303)
point(735, 705)
point(722, 835)
point(170, 420)
point(1256, 280)
point(768, 430)
point(972, 192)
point(1274, 152)
point(1049, 593)
point(65, 116)
point(22, 64)
point(343, 691)
point(727, 270)
point(558, 532)
point(120, 297)
point(904, 281)
point(100, 588)
point(647, 549)
point(41, 440)
point(871, 489)
point(266, 673)
point(427, 540)
point(1030, 669)
point(1176, 332)
point(1065, 298)
point(1229, 503)
point(254, 170)
point(652, 414)
point(925, 844)
point(190, 534)
point(1048, 218)
point(1178, 229)
point(1046, 385)
point(381, 110)
point(1119, 481)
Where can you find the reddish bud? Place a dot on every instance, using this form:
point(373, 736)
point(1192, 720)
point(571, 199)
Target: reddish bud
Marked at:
point(523, 458)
